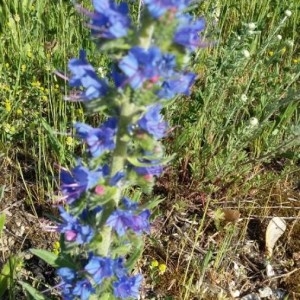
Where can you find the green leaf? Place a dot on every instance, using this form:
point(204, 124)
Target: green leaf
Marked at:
point(134, 161)
point(49, 257)
point(2, 222)
point(106, 296)
point(122, 250)
point(8, 273)
point(33, 292)
point(53, 259)
point(152, 203)
point(136, 254)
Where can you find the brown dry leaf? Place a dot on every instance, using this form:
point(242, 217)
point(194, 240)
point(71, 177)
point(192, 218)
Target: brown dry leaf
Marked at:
point(275, 230)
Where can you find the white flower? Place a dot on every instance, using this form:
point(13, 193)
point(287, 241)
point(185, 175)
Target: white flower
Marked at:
point(253, 122)
point(101, 71)
point(251, 26)
point(244, 98)
point(246, 53)
point(288, 13)
point(279, 37)
point(290, 43)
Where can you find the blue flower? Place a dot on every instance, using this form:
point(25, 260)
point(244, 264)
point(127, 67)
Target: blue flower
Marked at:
point(118, 220)
point(127, 287)
point(129, 204)
point(121, 220)
point(152, 122)
point(74, 231)
point(109, 21)
point(155, 170)
point(140, 222)
point(188, 32)
point(117, 178)
point(167, 65)
point(90, 212)
point(99, 139)
point(85, 76)
point(78, 181)
point(157, 8)
point(177, 84)
point(141, 65)
point(100, 268)
point(83, 289)
point(119, 268)
point(66, 291)
point(67, 274)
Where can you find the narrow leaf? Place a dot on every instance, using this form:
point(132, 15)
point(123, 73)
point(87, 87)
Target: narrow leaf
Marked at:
point(33, 292)
point(49, 257)
point(53, 259)
point(8, 273)
point(2, 222)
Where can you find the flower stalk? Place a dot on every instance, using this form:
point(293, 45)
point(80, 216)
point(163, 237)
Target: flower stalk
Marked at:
point(101, 227)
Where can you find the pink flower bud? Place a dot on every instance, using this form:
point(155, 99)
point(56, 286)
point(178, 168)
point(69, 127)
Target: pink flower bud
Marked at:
point(99, 190)
point(70, 235)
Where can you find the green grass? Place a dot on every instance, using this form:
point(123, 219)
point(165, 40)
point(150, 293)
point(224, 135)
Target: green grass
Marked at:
point(237, 137)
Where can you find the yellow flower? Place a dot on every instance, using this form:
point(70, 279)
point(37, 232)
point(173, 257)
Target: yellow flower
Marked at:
point(29, 54)
point(36, 84)
point(79, 112)
point(296, 60)
point(8, 128)
point(162, 268)
point(283, 50)
point(44, 98)
point(17, 18)
point(7, 65)
point(154, 263)
point(271, 53)
point(7, 105)
point(19, 112)
point(56, 247)
point(23, 68)
point(70, 141)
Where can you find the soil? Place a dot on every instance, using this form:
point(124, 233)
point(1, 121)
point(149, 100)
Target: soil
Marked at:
point(176, 240)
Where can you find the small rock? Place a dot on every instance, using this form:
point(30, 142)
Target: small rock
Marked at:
point(265, 292)
point(251, 297)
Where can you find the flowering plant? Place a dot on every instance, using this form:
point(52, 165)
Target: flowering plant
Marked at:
point(101, 227)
